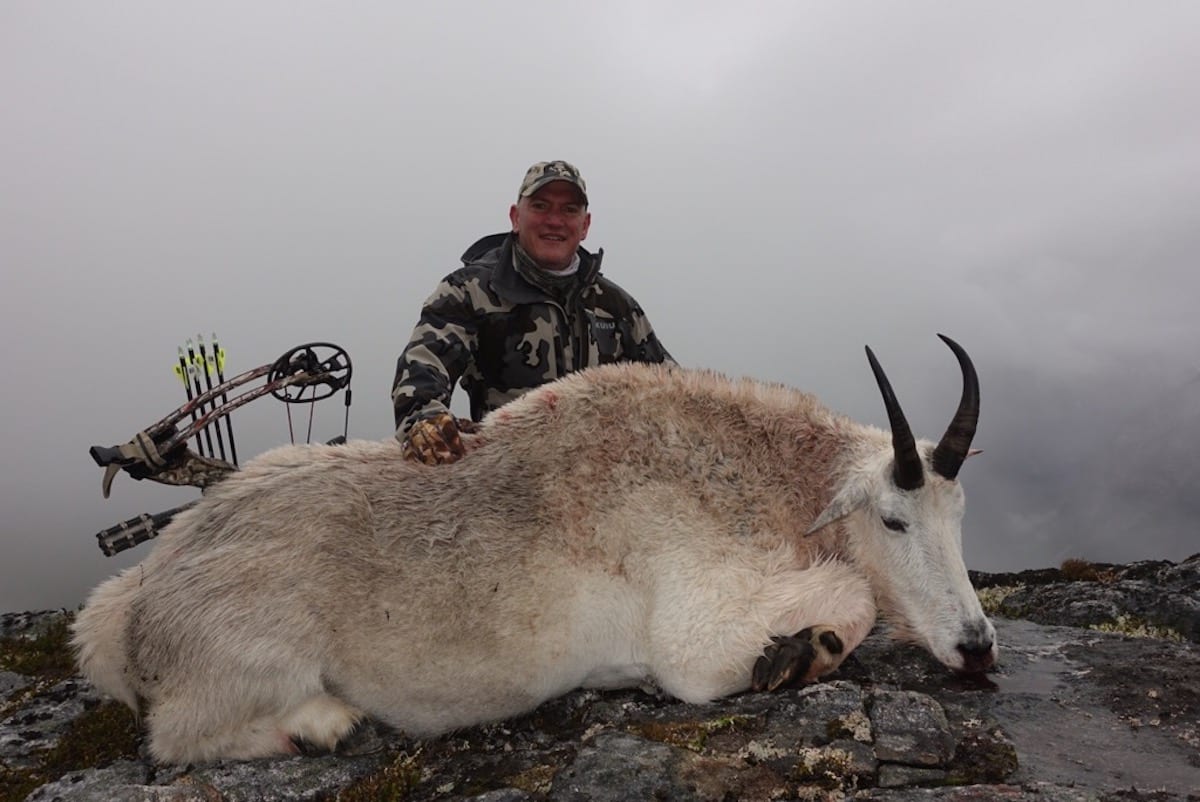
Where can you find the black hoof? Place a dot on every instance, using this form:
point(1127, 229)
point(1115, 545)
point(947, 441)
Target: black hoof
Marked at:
point(308, 748)
point(364, 738)
point(788, 658)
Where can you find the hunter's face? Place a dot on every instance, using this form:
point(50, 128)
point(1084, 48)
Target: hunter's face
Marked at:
point(551, 223)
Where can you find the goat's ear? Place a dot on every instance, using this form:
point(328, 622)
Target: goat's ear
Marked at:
point(850, 498)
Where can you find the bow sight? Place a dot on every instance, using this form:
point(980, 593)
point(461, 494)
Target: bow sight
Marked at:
point(305, 374)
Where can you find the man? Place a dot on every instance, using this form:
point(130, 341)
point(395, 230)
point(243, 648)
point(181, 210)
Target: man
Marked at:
point(527, 307)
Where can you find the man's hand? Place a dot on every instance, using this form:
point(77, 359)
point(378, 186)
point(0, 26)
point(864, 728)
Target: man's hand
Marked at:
point(437, 440)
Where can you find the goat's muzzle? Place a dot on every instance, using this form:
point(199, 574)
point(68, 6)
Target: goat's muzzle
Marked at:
point(978, 654)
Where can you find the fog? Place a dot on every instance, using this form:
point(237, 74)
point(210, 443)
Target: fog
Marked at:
point(778, 184)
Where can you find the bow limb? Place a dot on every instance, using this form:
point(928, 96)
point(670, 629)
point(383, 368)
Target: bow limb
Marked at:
point(202, 400)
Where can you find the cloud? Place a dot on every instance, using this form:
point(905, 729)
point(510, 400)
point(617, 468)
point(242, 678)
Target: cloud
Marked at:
point(778, 185)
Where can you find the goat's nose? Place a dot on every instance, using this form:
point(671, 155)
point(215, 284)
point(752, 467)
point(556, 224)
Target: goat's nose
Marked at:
point(977, 654)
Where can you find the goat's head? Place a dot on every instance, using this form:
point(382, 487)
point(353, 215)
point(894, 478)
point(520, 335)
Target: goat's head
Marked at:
point(905, 511)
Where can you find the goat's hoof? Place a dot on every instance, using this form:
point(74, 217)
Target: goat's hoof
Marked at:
point(797, 659)
point(307, 748)
point(363, 739)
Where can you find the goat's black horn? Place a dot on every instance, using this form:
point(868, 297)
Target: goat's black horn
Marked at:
point(956, 442)
point(907, 472)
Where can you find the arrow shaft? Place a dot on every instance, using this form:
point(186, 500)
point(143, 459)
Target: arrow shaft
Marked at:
point(199, 393)
point(182, 371)
point(208, 382)
point(219, 356)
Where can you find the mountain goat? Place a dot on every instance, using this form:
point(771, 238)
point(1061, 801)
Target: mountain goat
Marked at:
point(626, 525)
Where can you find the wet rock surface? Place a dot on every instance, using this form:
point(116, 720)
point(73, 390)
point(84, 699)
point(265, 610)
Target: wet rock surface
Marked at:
point(1069, 714)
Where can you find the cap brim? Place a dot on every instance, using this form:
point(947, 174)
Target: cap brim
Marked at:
point(541, 182)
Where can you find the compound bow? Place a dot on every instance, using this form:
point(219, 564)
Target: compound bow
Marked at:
point(160, 451)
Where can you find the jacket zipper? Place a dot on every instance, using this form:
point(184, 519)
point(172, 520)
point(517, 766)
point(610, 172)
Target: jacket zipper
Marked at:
point(581, 340)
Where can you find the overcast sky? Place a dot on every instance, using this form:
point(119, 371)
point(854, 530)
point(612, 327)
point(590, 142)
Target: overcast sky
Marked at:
point(777, 183)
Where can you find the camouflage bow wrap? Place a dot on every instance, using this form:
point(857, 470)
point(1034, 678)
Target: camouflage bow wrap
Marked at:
point(500, 329)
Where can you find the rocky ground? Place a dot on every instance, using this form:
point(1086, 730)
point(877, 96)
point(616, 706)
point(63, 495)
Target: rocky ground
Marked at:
point(1072, 713)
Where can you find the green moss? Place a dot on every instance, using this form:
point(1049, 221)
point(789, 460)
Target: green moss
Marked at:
point(48, 655)
point(691, 735)
point(15, 785)
point(992, 598)
point(107, 732)
point(728, 723)
point(688, 734)
point(1137, 628)
point(393, 783)
point(101, 735)
point(535, 780)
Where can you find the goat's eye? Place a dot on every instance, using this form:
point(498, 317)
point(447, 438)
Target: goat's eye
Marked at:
point(895, 524)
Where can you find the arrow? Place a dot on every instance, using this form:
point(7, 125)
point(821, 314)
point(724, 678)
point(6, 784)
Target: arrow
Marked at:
point(191, 352)
point(181, 370)
point(203, 365)
point(219, 358)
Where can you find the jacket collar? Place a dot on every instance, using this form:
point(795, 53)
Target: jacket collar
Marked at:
point(496, 251)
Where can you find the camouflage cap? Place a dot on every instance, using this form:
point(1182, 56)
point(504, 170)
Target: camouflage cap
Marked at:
point(542, 173)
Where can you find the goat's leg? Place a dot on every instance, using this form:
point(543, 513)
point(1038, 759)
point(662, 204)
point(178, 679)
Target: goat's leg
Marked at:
point(180, 733)
point(834, 614)
point(834, 610)
point(319, 724)
point(704, 645)
point(183, 732)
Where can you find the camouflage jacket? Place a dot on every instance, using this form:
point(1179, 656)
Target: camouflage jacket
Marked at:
point(500, 329)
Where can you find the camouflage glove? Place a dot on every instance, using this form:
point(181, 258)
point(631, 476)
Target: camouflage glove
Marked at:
point(437, 440)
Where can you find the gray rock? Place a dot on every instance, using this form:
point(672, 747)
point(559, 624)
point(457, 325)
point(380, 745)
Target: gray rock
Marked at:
point(37, 725)
point(1091, 604)
point(911, 728)
point(839, 766)
point(297, 779)
point(123, 781)
point(821, 713)
point(503, 795)
point(999, 793)
point(28, 625)
point(11, 682)
point(983, 752)
point(618, 767)
point(892, 775)
point(1152, 592)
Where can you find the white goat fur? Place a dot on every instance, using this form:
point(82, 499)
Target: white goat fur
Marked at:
point(626, 525)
